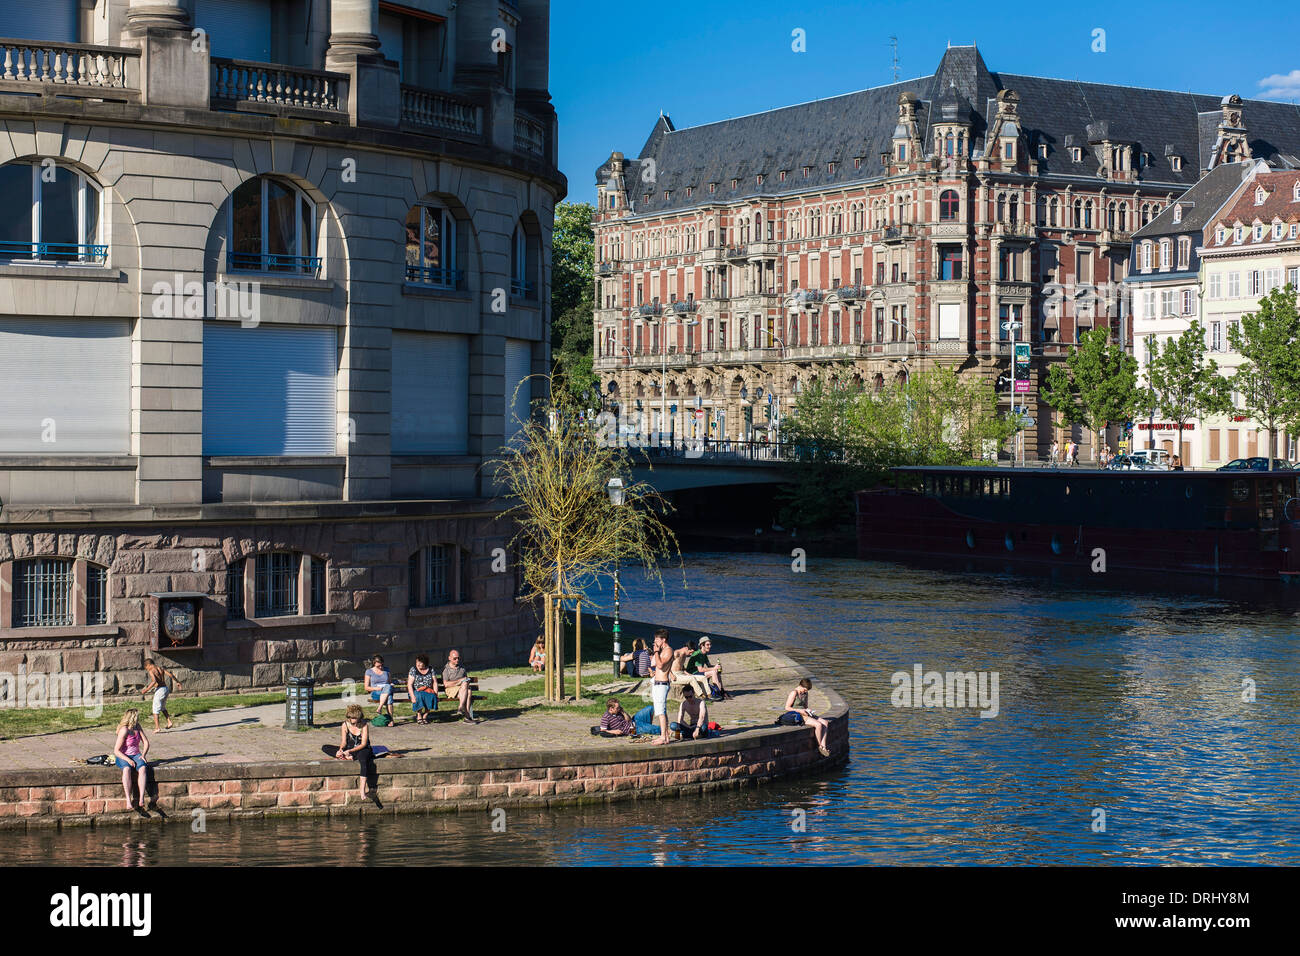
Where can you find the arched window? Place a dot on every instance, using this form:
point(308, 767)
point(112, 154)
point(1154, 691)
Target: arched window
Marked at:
point(431, 244)
point(949, 205)
point(1013, 214)
point(52, 214)
point(524, 259)
point(1000, 215)
point(272, 229)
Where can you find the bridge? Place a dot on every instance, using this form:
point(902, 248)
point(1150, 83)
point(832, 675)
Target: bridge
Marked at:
point(680, 466)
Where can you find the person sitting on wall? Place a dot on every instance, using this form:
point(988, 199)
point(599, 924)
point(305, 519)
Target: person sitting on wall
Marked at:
point(379, 685)
point(456, 685)
point(699, 663)
point(129, 752)
point(537, 656)
point(692, 717)
point(798, 702)
point(680, 673)
point(354, 744)
point(422, 685)
point(637, 662)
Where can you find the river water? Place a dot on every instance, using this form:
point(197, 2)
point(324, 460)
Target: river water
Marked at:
point(1121, 736)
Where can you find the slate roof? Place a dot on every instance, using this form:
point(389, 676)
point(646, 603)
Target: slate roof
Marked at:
point(1200, 203)
point(1056, 112)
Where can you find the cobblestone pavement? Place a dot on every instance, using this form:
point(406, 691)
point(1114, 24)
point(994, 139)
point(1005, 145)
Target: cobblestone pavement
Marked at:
point(759, 680)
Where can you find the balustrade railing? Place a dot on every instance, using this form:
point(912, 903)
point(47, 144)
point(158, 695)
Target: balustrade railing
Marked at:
point(272, 87)
point(430, 109)
point(73, 68)
point(530, 137)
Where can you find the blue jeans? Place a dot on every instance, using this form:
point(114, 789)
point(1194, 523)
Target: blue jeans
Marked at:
point(137, 763)
point(687, 730)
point(388, 694)
point(645, 720)
point(424, 700)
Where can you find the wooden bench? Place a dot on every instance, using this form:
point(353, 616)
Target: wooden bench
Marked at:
point(400, 689)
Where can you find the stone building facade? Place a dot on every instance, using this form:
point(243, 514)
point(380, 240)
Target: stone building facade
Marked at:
point(285, 266)
point(892, 229)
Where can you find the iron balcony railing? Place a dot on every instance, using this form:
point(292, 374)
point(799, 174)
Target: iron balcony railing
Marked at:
point(273, 262)
point(650, 308)
point(735, 252)
point(271, 87)
point(807, 297)
point(53, 251)
point(607, 268)
point(684, 307)
point(851, 293)
point(437, 277)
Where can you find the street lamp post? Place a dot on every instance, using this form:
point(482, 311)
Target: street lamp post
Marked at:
point(1151, 412)
point(615, 491)
point(1013, 327)
point(663, 372)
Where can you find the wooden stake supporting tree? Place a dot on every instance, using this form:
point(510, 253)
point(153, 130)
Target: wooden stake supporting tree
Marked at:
point(569, 534)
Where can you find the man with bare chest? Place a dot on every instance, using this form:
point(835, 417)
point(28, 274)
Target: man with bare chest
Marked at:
point(661, 660)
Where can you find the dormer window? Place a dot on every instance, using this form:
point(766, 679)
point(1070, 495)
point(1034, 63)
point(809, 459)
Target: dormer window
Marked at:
point(1009, 149)
point(689, 190)
point(1076, 154)
point(1277, 230)
point(666, 195)
point(1164, 254)
point(760, 179)
point(1178, 212)
point(713, 188)
point(1260, 195)
point(1238, 234)
point(902, 152)
point(1146, 257)
point(1219, 235)
point(1259, 231)
point(1295, 192)
point(781, 176)
point(1176, 163)
point(806, 171)
point(735, 183)
point(857, 164)
point(830, 169)
point(1295, 230)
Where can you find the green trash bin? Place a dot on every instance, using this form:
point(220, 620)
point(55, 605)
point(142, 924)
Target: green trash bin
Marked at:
point(299, 703)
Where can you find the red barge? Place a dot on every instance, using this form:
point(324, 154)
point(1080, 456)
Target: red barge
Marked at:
point(1237, 524)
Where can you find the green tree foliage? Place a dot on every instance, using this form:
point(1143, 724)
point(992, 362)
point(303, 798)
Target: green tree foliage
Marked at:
point(1095, 385)
point(844, 438)
point(572, 303)
point(1268, 380)
point(1182, 384)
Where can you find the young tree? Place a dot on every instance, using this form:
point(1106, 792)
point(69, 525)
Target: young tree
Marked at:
point(1184, 384)
point(1095, 385)
point(1269, 377)
point(569, 535)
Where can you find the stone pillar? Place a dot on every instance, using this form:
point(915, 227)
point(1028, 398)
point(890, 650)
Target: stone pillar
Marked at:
point(174, 66)
point(374, 94)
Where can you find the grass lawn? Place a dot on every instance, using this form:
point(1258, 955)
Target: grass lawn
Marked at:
point(27, 721)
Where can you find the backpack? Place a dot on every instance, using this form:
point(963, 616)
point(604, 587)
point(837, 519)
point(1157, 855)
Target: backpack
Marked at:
point(791, 718)
point(379, 720)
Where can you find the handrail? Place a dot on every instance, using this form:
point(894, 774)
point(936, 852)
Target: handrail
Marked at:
point(276, 85)
point(435, 109)
point(70, 65)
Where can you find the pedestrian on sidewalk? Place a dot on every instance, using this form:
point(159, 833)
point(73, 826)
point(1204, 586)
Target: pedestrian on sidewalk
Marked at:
point(158, 677)
point(1054, 453)
point(129, 751)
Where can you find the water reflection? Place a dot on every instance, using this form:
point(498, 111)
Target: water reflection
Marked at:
point(1118, 700)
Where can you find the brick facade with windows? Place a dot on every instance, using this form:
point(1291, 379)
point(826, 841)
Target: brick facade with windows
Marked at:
point(897, 226)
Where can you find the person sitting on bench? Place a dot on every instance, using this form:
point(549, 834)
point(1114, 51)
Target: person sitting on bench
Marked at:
point(456, 685)
point(422, 685)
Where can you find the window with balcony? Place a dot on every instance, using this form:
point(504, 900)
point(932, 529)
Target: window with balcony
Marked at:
point(272, 229)
point(431, 247)
point(52, 214)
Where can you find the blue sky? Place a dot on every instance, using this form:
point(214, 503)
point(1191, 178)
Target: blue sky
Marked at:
point(614, 66)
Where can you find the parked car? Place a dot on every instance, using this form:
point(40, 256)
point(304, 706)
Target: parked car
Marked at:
point(1133, 463)
point(1255, 464)
point(1152, 459)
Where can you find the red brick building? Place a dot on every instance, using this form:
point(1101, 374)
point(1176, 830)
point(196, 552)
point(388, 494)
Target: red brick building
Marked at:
point(894, 228)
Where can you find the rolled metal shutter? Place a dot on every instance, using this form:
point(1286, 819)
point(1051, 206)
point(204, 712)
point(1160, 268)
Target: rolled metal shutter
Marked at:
point(65, 386)
point(47, 21)
point(269, 391)
point(519, 361)
point(430, 394)
point(237, 29)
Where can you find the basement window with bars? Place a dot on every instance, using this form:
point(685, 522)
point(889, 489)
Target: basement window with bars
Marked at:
point(438, 574)
point(277, 584)
point(235, 591)
point(278, 578)
point(43, 593)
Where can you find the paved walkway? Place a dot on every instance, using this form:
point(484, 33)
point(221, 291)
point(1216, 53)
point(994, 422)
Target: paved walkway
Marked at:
point(759, 680)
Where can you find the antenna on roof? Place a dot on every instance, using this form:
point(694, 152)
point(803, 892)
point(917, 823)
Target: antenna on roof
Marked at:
point(893, 42)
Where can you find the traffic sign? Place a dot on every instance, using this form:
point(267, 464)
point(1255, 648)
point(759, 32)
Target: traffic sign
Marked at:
point(699, 414)
point(1008, 326)
point(1026, 422)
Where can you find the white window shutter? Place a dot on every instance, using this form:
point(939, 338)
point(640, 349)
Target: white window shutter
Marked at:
point(65, 386)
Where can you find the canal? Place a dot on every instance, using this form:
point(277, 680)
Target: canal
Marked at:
point(1124, 732)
